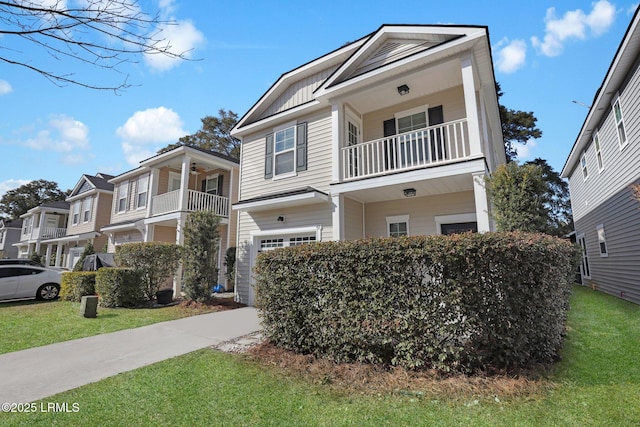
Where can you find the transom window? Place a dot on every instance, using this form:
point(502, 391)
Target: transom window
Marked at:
point(622, 135)
point(285, 145)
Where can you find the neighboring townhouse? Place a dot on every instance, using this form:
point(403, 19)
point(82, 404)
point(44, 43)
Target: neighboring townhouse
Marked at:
point(603, 164)
point(390, 135)
point(10, 230)
point(47, 221)
point(90, 209)
point(152, 202)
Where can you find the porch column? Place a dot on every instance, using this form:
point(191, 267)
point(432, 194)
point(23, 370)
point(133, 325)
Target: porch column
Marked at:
point(184, 184)
point(59, 255)
point(470, 104)
point(338, 216)
point(337, 119)
point(153, 190)
point(482, 202)
point(47, 256)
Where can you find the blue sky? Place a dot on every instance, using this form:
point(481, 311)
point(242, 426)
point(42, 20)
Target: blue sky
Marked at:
point(546, 55)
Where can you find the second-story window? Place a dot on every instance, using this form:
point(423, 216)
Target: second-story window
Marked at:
point(596, 144)
point(583, 165)
point(286, 151)
point(622, 135)
point(141, 197)
point(123, 192)
point(86, 209)
point(76, 212)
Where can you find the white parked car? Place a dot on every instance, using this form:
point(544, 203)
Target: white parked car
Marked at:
point(28, 281)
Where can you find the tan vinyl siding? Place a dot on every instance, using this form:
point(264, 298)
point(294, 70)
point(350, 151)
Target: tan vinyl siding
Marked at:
point(421, 211)
point(131, 213)
point(296, 217)
point(452, 101)
point(618, 273)
point(298, 92)
point(621, 166)
point(319, 156)
point(163, 233)
point(353, 219)
point(101, 204)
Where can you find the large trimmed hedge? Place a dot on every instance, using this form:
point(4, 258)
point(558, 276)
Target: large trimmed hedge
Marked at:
point(119, 287)
point(464, 303)
point(76, 284)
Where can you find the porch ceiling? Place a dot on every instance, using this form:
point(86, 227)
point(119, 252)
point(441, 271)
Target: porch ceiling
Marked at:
point(431, 187)
point(383, 94)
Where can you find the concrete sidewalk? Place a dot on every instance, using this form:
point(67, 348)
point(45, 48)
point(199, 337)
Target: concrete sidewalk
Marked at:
point(40, 372)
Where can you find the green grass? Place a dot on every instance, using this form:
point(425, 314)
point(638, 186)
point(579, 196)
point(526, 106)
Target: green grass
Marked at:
point(27, 324)
point(596, 384)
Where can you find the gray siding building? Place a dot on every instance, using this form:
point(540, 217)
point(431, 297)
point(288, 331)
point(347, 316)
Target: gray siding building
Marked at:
point(603, 165)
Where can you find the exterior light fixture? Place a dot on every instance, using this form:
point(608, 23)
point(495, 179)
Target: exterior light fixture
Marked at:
point(403, 90)
point(409, 192)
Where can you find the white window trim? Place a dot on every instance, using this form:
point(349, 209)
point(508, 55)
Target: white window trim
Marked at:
point(616, 100)
point(285, 126)
point(599, 159)
point(584, 167)
point(174, 176)
point(138, 192)
point(124, 184)
point(77, 210)
point(422, 109)
point(396, 219)
point(90, 201)
point(206, 181)
point(453, 219)
point(602, 238)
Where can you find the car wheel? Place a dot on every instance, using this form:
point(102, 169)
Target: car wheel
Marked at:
point(48, 292)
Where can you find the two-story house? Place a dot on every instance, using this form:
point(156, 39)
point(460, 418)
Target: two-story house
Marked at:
point(603, 164)
point(390, 135)
point(10, 230)
point(152, 202)
point(90, 204)
point(47, 221)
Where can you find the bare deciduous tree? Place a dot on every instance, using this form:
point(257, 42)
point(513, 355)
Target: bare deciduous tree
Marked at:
point(100, 33)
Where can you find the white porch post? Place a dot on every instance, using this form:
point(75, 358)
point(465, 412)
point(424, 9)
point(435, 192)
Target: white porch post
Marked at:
point(47, 256)
point(184, 183)
point(482, 202)
point(177, 279)
point(153, 190)
point(338, 216)
point(59, 255)
point(337, 118)
point(471, 108)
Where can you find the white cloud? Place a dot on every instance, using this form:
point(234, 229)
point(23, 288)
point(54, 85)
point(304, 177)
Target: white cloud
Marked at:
point(525, 152)
point(5, 87)
point(574, 24)
point(181, 38)
point(62, 134)
point(510, 55)
point(145, 132)
point(10, 184)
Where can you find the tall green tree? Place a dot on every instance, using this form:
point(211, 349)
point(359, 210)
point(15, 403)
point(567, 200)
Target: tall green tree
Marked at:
point(517, 127)
point(19, 200)
point(519, 197)
point(200, 253)
point(558, 201)
point(215, 135)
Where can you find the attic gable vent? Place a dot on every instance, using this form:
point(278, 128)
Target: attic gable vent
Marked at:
point(386, 49)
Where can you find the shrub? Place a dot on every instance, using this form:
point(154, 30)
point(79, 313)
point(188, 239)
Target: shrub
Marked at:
point(155, 262)
point(74, 285)
point(201, 242)
point(230, 263)
point(119, 287)
point(456, 303)
point(88, 250)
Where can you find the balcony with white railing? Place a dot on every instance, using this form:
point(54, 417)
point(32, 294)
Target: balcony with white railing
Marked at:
point(196, 201)
point(53, 232)
point(430, 146)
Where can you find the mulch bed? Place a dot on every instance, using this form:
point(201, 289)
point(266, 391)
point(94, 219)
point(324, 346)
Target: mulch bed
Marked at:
point(219, 303)
point(376, 379)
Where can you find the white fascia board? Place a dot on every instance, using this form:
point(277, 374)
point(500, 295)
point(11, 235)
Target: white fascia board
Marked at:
point(128, 174)
point(271, 121)
point(282, 202)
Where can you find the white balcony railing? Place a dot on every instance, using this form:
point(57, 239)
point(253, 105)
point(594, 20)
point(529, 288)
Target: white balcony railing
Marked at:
point(430, 146)
point(53, 232)
point(196, 201)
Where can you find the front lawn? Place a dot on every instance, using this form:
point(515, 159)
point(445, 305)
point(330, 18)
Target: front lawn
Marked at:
point(596, 384)
point(27, 324)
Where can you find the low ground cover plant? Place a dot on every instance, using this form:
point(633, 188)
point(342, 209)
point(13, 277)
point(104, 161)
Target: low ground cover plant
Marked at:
point(464, 303)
